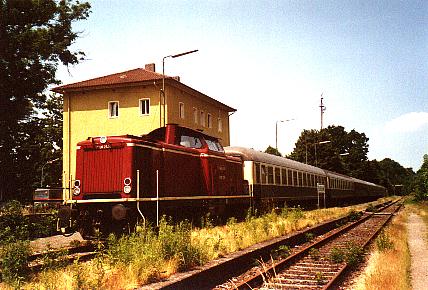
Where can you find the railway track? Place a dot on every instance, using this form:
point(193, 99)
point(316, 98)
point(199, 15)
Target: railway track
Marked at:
point(244, 269)
point(321, 264)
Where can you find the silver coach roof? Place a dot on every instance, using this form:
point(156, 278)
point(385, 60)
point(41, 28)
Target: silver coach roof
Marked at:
point(253, 155)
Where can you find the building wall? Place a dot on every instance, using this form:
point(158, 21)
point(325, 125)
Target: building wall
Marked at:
point(176, 96)
point(87, 115)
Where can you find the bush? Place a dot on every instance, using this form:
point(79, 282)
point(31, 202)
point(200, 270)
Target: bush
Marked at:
point(14, 262)
point(13, 224)
point(353, 254)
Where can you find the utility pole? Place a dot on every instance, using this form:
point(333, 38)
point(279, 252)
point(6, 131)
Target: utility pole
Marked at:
point(322, 109)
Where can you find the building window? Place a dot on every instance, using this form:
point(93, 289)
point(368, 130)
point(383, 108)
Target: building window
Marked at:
point(220, 125)
point(210, 121)
point(202, 119)
point(144, 107)
point(195, 115)
point(113, 109)
point(181, 110)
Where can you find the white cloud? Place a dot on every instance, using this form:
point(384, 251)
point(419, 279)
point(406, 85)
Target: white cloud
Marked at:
point(409, 122)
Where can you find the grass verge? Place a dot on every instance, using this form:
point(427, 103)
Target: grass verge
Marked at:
point(147, 256)
point(389, 264)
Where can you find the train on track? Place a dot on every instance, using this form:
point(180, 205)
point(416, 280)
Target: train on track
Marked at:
point(178, 171)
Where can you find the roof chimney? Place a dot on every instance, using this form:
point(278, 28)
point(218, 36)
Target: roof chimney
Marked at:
point(150, 67)
point(177, 78)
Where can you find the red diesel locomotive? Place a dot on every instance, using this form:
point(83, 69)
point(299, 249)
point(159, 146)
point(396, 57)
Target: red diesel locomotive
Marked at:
point(182, 172)
point(172, 170)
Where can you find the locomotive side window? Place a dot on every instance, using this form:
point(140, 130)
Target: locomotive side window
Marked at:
point(257, 172)
point(190, 142)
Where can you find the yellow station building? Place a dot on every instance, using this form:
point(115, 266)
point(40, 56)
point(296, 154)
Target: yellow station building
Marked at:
point(132, 102)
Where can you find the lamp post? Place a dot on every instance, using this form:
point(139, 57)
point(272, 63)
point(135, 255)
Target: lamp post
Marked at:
point(319, 143)
point(163, 81)
point(43, 177)
point(276, 131)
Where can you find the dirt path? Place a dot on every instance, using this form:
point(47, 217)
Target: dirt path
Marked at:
point(417, 233)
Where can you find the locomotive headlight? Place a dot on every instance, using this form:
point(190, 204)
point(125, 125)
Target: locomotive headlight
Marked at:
point(77, 183)
point(127, 181)
point(127, 189)
point(76, 191)
point(103, 139)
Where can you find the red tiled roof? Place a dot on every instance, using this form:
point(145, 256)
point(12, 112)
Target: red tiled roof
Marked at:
point(130, 76)
point(137, 75)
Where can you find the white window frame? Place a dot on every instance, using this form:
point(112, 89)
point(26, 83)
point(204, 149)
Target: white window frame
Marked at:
point(181, 110)
point(110, 109)
point(141, 101)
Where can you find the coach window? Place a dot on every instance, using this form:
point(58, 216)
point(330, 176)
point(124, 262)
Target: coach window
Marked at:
point(257, 172)
point(289, 177)
point(305, 179)
point(270, 174)
point(277, 176)
point(113, 109)
point(284, 176)
point(263, 174)
point(144, 107)
point(295, 183)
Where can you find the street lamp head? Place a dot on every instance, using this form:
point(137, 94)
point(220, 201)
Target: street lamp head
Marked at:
point(184, 53)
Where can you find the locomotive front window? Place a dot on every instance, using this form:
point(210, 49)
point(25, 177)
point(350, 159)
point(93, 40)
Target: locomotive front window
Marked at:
point(190, 142)
point(214, 146)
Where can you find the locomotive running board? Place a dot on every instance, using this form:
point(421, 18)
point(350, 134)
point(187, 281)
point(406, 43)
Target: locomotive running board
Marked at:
point(170, 198)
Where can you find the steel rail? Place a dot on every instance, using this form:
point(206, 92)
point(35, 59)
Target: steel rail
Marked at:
point(280, 265)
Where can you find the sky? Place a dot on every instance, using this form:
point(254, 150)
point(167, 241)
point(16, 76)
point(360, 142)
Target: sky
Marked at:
point(272, 60)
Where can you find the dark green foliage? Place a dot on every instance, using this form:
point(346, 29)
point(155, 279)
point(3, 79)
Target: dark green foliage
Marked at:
point(353, 254)
point(14, 262)
point(309, 237)
point(150, 249)
point(337, 255)
point(354, 215)
point(273, 151)
point(314, 253)
point(35, 37)
point(15, 226)
point(282, 251)
point(346, 153)
point(371, 208)
point(420, 184)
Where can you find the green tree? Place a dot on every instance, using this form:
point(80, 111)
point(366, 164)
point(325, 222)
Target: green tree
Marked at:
point(273, 151)
point(35, 37)
point(421, 181)
point(333, 149)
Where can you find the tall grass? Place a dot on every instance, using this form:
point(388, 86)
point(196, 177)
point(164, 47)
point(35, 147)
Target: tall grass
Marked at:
point(148, 255)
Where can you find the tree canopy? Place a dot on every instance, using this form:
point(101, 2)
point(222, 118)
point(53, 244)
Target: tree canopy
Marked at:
point(273, 151)
point(35, 37)
point(333, 149)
